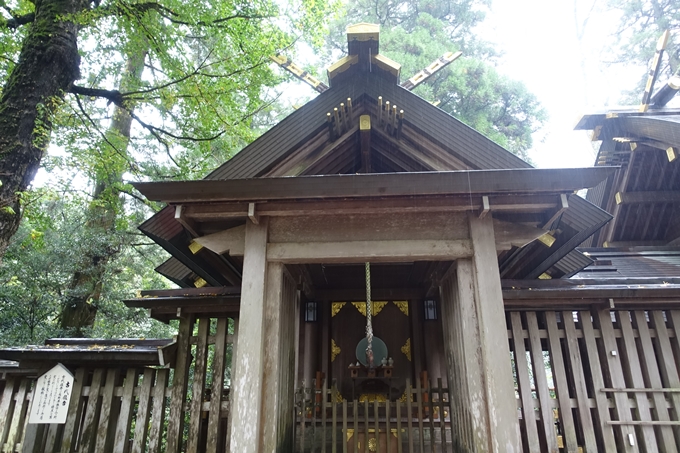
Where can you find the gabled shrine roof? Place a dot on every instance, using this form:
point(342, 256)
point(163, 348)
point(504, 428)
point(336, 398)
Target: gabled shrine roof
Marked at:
point(459, 146)
point(367, 122)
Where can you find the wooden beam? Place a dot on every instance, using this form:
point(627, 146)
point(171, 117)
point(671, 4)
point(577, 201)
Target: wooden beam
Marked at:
point(510, 181)
point(373, 251)
point(647, 197)
point(667, 92)
point(394, 227)
point(377, 294)
point(485, 207)
point(623, 175)
point(252, 215)
point(365, 133)
point(654, 71)
point(563, 206)
point(187, 223)
point(187, 292)
point(627, 244)
point(231, 240)
point(299, 73)
point(510, 234)
point(648, 144)
point(433, 68)
point(451, 203)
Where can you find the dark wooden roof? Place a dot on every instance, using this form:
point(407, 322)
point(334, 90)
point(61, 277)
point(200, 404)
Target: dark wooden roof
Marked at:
point(487, 182)
point(163, 305)
point(644, 195)
point(95, 352)
point(584, 294)
point(178, 273)
point(633, 262)
point(421, 118)
point(428, 141)
point(534, 260)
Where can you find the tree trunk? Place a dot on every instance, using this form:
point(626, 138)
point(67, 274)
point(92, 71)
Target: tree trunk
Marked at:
point(48, 65)
point(80, 306)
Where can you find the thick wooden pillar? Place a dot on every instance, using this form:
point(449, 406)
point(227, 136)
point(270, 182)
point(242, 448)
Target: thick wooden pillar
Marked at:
point(248, 385)
point(279, 357)
point(500, 410)
point(484, 410)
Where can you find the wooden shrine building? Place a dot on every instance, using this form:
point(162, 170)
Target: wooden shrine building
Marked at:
point(504, 321)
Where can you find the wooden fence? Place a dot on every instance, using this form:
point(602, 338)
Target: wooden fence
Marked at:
point(133, 409)
point(417, 422)
point(597, 380)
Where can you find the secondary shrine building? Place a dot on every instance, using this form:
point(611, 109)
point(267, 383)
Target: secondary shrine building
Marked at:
point(501, 321)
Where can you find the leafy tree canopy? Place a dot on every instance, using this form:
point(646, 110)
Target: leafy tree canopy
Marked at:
point(123, 90)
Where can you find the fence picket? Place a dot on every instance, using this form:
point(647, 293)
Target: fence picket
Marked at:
point(541, 382)
point(559, 373)
point(669, 372)
point(75, 408)
point(651, 370)
point(14, 433)
point(598, 383)
point(442, 417)
point(525, 391)
point(5, 404)
point(120, 441)
point(103, 439)
point(409, 410)
point(344, 427)
point(142, 420)
point(91, 413)
point(641, 399)
point(215, 410)
point(615, 372)
point(158, 411)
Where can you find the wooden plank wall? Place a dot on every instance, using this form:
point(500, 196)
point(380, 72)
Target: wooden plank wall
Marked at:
point(135, 410)
point(597, 380)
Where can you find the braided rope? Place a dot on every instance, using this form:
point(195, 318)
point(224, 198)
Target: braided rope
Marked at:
point(369, 317)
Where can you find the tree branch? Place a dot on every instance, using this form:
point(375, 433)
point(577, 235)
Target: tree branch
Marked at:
point(131, 165)
point(113, 96)
point(137, 197)
point(17, 21)
point(129, 9)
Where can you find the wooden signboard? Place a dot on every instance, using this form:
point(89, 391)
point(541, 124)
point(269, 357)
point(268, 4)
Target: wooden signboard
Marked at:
point(51, 396)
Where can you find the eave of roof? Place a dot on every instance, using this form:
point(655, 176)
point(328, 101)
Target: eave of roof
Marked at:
point(377, 185)
point(100, 352)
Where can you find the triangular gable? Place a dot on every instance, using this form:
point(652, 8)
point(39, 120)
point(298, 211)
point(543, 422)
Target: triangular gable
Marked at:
point(431, 139)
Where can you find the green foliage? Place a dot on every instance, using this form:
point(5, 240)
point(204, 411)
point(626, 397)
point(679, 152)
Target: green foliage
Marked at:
point(642, 24)
point(40, 262)
point(168, 90)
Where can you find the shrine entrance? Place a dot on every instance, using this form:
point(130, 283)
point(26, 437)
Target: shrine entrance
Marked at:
point(321, 251)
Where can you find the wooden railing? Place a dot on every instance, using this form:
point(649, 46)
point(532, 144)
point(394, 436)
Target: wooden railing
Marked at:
point(417, 422)
point(597, 380)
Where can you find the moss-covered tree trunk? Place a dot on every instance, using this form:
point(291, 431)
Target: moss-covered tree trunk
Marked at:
point(47, 67)
point(80, 306)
